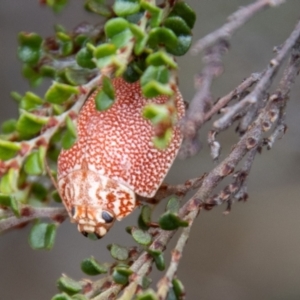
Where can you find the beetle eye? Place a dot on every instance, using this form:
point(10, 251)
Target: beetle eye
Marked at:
point(108, 218)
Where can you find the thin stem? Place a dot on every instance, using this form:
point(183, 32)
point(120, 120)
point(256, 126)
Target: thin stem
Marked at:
point(235, 21)
point(166, 281)
point(29, 213)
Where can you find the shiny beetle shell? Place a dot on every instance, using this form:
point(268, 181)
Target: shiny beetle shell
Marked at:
point(113, 159)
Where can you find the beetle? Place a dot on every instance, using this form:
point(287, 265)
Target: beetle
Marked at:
point(114, 159)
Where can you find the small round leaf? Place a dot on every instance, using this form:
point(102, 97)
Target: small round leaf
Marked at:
point(141, 237)
point(170, 221)
point(120, 275)
point(68, 285)
point(118, 252)
point(126, 7)
point(42, 236)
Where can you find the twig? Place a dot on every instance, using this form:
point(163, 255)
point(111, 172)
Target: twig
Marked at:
point(263, 84)
point(235, 21)
point(201, 102)
point(165, 282)
point(29, 213)
point(179, 190)
point(222, 102)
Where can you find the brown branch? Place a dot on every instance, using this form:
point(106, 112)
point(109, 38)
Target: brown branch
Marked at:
point(263, 84)
point(235, 21)
point(202, 100)
point(179, 190)
point(29, 213)
point(222, 102)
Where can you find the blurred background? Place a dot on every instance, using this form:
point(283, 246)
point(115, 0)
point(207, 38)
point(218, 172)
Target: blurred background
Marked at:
point(252, 253)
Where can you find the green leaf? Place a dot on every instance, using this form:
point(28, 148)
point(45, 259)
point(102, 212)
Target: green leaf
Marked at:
point(42, 236)
point(155, 80)
point(5, 200)
point(8, 126)
point(35, 162)
point(144, 219)
point(105, 54)
point(178, 288)
point(15, 207)
point(57, 5)
point(8, 183)
point(173, 205)
point(160, 262)
point(59, 28)
point(105, 98)
point(158, 258)
point(62, 36)
point(184, 44)
point(35, 79)
point(12, 202)
point(146, 282)
point(135, 18)
point(8, 149)
point(29, 49)
point(39, 191)
point(163, 140)
point(160, 74)
point(74, 76)
point(155, 12)
point(47, 71)
point(79, 297)
point(153, 89)
point(98, 7)
point(56, 197)
point(67, 48)
point(141, 237)
point(177, 25)
point(107, 87)
point(30, 124)
point(156, 113)
point(58, 93)
point(68, 285)
point(61, 296)
point(162, 36)
point(161, 58)
point(71, 126)
point(126, 7)
point(137, 31)
point(117, 30)
point(183, 33)
point(120, 275)
point(30, 101)
point(118, 252)
point(134, 71)
point(16, 96)
point(91, 267)
point(147, 295)
point(68, 140)
point(183, 10)
point(171, 221)
point(84, 58)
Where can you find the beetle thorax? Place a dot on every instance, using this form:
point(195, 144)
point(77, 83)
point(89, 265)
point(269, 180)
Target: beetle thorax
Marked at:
point(94, 201)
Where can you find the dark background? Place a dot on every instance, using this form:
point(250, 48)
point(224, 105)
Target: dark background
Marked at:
point(254, 252)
